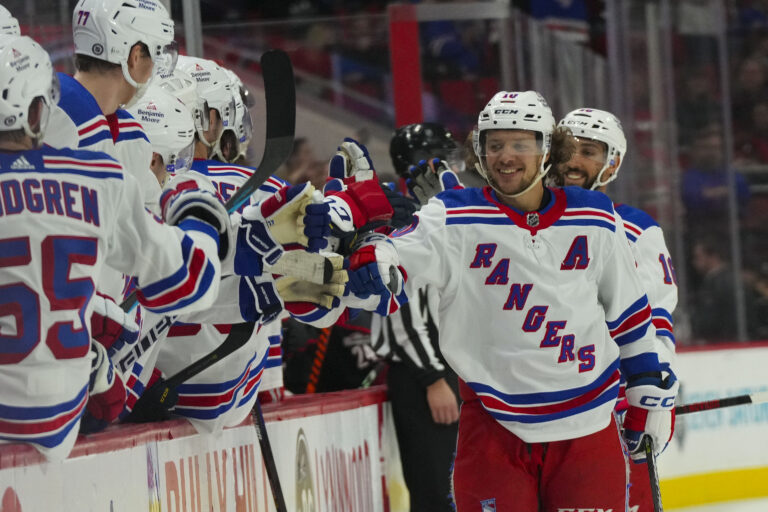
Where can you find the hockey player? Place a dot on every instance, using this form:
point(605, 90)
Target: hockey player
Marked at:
point(423, 390)
point(64, 214)
point(540, 307)
point(8, 24)
point(119, 47)
point(600, 148)
point(224, 394)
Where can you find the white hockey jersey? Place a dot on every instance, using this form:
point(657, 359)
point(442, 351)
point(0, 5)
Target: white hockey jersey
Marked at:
point(64, 214)
point(224, 394)
point(656, 271)
point(78, 122)
point(537, 310)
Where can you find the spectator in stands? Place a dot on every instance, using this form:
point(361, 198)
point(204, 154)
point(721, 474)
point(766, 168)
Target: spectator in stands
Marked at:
point(697, 103)
point(713, 316)
point(750, 87)
point(705, 183)
point(302, 165)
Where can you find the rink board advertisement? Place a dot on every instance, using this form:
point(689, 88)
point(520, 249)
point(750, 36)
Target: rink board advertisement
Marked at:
point(722, 454)
point(328, 451)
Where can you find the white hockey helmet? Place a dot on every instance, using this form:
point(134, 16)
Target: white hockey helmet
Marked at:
point(169, 126)
point(27, 75)
point(108, 29)
point(527, 110)
point(183, 86)
point(602, 126)
point(242, 128)
point(214, 86)
point(8, 24)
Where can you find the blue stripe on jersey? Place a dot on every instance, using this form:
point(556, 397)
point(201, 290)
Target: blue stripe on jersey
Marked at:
point(631, 236)
point(174, 279)
point(206, 413)
point(638, 305)
point(78, 102)
point(565, 221)
point(578, 197)
point(131, 135)
point(463, 197)
point(124, 114)
point(663, 313)
point(42, 415)
point(100, 135)
point(24, 413)
point(633, 335)
point(636, 216)
point(545, 397)
point(609, 395)
point(497, 221)
point(87, 174)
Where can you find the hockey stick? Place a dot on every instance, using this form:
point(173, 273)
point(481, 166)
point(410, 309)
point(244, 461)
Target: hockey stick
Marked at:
point(760, 397)
point(269, 458)
point(653, 474)
point(280, 95)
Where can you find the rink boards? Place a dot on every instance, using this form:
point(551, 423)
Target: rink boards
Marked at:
point(328, 451)
point(720, 455)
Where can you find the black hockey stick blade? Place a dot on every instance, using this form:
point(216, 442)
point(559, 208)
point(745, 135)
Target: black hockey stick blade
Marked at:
point(280, 99)
point(653, 474)
point(269, 458)
point(280, 95)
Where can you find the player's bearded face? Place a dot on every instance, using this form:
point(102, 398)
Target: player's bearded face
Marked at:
point(512, 159)
point(585, 164)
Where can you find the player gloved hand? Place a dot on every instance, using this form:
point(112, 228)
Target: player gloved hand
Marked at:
point(111, 326)
point(293, 215)
point(259, 300)
point(106, 390)
point(430, 177)
point(327, 296)
point(403, 207)
point(650, 413)
point(361, 203)
point(351, 161)
point(191, 202)
point(373, 268)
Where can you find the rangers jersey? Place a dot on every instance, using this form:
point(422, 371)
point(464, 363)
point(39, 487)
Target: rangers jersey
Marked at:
point(657, 274)
point(537, 310)
point(223, 395)
point(64, 214)
point(78, 122)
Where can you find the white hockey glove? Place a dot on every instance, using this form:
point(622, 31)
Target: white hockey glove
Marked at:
point(111, 326)
point(373, 268)
point(327, 296)
point(429, 178)
point(293, 215)
point(650, 413)
point(107, 392)
point(361, 203)
point(351, 161)
point(191, 202)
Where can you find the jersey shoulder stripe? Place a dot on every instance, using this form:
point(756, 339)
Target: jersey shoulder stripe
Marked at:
point(128, 128)
point(636, 221)
point(81, 107)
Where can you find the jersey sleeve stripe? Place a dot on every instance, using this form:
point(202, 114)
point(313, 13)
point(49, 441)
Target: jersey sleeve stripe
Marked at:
point(186, 285)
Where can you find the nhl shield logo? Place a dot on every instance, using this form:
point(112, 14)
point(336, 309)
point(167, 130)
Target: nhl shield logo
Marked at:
point(488, 505)
point(532, 219)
